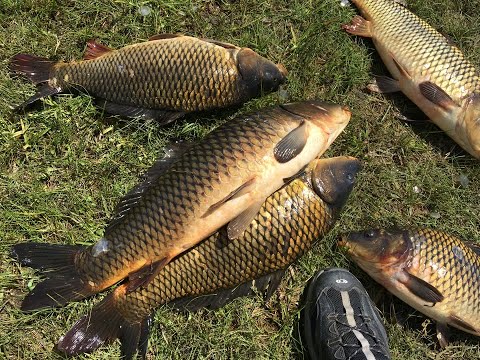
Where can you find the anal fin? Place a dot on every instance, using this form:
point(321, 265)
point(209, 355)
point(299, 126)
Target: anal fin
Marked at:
point(442, 334)
point(163, 116)
point(359, 26)
point(384, 85)
point(437, 95)
point(241, 190)
point(237, 226)
point(422, 289)
point(145, 274)
point(292, 144)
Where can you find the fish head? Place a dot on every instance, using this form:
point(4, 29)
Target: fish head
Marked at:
point(333, 179)
point(472, 124)
point(329, 118)
point(377, 250)
point(260, 74)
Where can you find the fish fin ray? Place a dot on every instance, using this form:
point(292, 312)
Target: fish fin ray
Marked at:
point(292, 144)
point(422, 289)
point(63, 283)
point(384, 85)
point(42, 92)
point(237, 226)
point(162, 116)
point(172, 153)
point(457, 322)
point(101, 326)
point(164, 36)
point(359, 26)
point(437, 95)
point(241, 190)
point(37, 69)
point(95, 50)
point(145, 274)
point(266, 285)
point(221, 43)
point(403, 72)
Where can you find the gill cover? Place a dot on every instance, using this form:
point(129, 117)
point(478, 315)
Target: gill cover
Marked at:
point(472, 124)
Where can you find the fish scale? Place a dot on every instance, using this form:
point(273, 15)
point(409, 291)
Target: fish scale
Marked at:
point(218, 269)
point(220, 180)
point(434, 272)
point(423, 51)
point(163, 78)
point(426, 67)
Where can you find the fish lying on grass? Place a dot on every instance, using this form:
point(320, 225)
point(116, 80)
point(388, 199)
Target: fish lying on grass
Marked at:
point(218, 269)
point(433, 272)
point(186, 197)
point(427, 68)
point(163, 78)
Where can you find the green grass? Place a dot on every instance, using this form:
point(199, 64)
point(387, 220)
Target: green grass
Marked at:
point(63, 168)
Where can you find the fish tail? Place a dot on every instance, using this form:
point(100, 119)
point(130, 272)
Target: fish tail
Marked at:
point(63, 282)
point(103, 325)
point(38, 70)
point(35, 68)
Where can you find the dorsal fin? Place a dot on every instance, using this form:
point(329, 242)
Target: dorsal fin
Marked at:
point(222, 44)
point(164, 36)
point(95, 50)
point(172, 153)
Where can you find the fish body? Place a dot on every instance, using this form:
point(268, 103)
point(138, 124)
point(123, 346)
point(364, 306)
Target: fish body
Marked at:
point(225, 178)
point(162, 78)
point(426, 66)
point(218, 269)
point(435, 273)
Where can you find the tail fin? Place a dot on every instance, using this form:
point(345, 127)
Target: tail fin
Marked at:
point(103, 325)
point(36, 68)
point(63, 283)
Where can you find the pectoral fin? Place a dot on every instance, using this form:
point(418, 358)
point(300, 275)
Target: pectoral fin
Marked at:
point(292, 144)
point(359, 26)
point(462, 324)
point(384, 85)
point(162, 116)
point(237, 226)
point(145, 274)
point(436, 95)
point(241, 190)
point(422, 289)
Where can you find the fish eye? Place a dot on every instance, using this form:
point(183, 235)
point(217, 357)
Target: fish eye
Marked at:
point(369, 234)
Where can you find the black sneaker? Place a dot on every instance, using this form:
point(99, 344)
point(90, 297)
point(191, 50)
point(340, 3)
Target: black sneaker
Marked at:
point(339, 321)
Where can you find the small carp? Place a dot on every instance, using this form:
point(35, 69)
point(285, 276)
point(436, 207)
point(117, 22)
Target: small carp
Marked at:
point(163, 78)
point(218, 270)
point(186, 197)
point(433, 272)
point(427, 68)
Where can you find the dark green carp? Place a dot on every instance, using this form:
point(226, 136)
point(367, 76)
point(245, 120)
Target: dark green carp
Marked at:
point(223, 179)
point(218, 269)
point(426, 67)
point(433, 272)
point(163, 78)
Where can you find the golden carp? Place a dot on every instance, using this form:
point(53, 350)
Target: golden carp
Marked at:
point(427, 68)
point(218, 269)
point(163, 78)
point(187, 197)
point(433, 272)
